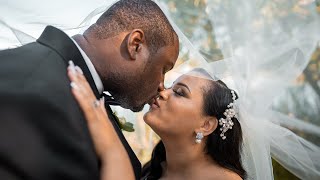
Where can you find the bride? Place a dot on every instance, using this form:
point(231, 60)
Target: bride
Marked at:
point(196, 120)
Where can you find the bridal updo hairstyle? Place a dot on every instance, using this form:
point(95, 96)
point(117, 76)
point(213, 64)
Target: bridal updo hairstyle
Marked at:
point(226, 153)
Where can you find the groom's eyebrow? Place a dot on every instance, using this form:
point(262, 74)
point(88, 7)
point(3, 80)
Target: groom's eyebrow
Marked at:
point(184, 85)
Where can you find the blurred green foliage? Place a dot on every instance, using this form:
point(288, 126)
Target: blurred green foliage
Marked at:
point(281, 173)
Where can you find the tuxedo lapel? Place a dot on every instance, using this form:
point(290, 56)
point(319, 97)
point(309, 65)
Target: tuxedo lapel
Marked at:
point(65, 47)
point(134, 160)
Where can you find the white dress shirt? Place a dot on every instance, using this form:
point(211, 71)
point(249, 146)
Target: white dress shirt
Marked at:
point(94, 74)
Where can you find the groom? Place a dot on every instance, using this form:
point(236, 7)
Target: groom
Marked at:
point(43, 133)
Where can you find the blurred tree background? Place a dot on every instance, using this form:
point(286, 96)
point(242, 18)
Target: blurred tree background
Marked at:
point(301, 100)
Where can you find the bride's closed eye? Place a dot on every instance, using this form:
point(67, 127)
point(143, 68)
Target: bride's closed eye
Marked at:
point(179, 91)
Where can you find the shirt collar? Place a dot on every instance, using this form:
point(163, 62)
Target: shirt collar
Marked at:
point(94, 74)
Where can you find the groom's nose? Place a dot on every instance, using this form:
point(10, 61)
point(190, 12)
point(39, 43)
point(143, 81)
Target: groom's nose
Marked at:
point(161, 87)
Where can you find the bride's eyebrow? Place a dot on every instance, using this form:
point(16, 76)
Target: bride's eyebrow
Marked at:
point(184, 85)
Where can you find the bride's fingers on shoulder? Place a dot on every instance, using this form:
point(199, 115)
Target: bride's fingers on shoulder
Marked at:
point(83, 82)
point(79, 95)
point(78, 70)
point(81, 88)
point(72, 74)
point(76, 75)
point(81, 77)
point(76, 83)
point(72, 71)
point(88, 105)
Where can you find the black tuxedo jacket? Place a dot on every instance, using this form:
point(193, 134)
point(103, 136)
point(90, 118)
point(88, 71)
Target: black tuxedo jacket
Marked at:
point(43, 133)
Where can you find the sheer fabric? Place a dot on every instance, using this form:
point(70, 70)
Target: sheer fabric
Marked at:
point(263, 52)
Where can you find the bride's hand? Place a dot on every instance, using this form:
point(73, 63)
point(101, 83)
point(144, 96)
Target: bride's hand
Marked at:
point(114, 158)
point(94, 110)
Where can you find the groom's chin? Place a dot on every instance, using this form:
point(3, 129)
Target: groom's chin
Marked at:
point(133, 106)
point(137, 109)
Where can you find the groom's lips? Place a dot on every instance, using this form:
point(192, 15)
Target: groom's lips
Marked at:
point(154, 102)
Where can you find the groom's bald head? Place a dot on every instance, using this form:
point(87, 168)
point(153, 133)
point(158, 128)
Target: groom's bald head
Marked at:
point(126, 15)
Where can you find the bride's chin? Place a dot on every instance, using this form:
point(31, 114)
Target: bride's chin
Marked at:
point(149, 119)
point(146, 117)
point(148, 114)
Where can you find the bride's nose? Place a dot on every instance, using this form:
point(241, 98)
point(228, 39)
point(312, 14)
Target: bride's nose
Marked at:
point(164, 94)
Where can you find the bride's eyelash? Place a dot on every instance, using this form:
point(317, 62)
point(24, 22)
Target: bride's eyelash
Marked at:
point(178, 92)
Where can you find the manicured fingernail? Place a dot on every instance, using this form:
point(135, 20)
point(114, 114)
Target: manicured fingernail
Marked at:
point(78, 69)
point(74, 85)
point(72, 67)
point(71, 63)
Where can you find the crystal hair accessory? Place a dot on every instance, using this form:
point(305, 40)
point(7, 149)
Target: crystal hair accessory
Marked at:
point(229, 113)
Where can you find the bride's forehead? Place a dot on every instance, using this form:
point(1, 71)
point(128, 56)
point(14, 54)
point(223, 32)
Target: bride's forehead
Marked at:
point(192, 79)
point(195, 75)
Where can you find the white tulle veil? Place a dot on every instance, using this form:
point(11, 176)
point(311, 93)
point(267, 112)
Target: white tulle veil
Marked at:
point(262, 54)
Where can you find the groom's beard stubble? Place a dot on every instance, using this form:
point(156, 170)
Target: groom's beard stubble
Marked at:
point(125, 91)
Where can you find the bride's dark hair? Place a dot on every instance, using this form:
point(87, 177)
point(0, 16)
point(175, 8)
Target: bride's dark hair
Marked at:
point(226, 153)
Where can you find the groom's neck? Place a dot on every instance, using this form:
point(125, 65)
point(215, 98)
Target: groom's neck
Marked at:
point(100, 57)
point(86, 46)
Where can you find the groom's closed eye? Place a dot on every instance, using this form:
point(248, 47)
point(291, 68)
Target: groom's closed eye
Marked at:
point(164, 70)
point(168, 68)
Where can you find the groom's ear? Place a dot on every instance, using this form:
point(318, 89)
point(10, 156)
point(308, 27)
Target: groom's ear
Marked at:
point(135, 42)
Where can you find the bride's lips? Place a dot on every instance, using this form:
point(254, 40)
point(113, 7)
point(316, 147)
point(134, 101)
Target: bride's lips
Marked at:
point(154, 103)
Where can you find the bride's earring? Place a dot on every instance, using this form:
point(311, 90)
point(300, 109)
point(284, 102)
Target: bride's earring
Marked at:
point(199, 137)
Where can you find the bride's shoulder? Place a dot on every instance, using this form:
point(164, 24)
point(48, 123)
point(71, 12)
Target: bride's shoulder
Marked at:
point(223, 174)
point(230, 175)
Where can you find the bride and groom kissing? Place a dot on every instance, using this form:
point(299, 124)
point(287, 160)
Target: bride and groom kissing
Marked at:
point(49, 131)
